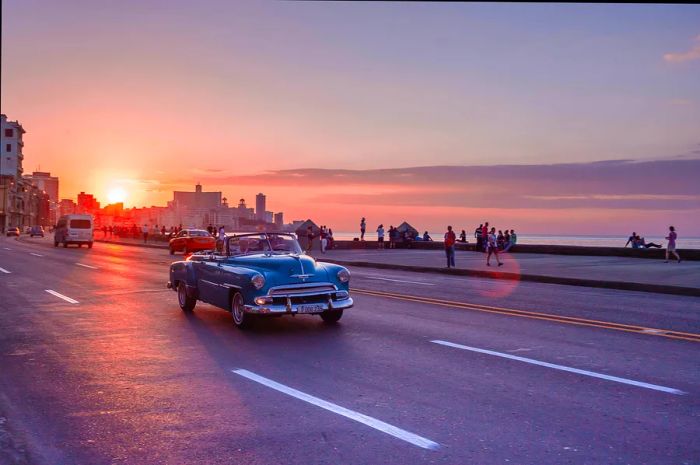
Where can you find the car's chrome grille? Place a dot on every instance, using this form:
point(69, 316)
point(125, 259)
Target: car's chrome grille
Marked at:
point(295, 290)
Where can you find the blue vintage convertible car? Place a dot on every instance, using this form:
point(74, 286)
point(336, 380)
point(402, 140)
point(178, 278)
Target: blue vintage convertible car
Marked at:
point(262, 274)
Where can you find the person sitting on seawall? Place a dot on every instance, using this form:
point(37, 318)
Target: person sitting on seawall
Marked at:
point(632, 240)
point(463, 236)
point(512, 240)
point(426, 236)
point(640, 243)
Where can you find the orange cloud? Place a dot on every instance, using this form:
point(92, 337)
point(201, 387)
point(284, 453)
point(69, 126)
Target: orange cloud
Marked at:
point(682, 57)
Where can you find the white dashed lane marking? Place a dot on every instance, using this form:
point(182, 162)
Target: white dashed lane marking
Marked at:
point(3, 270)
point(61, 296)
point(87, 266)
point(578, 371)
point(347, 413)
point(35, 254)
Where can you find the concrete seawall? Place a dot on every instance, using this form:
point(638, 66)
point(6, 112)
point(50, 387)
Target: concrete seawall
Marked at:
point(686, 254)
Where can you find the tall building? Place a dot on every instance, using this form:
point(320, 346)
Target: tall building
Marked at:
point(14, 204)
point(87, 203)
point(45, 182)
point(49, 184)
point(260, 207)
point(11, 147)
point(197, 199)
point(66, 207)
point(279, 220)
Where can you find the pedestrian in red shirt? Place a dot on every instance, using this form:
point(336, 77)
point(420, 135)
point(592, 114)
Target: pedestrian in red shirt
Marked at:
point(450, 239)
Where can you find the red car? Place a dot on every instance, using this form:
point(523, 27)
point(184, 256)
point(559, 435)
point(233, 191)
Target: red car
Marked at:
point(192, 240)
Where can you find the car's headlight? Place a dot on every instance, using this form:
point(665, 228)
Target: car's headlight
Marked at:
point(258, 281)
point(344, 275)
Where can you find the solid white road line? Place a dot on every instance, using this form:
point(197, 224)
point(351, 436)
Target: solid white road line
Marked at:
point(87, 266)
point(3, 270)
point(35, 254)
point(359, 417)
point(7, 248)
point(61, 296)
point(593, 374)
point(396, 280)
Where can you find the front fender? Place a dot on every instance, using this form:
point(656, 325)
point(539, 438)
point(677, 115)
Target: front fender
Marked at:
point(182, 271)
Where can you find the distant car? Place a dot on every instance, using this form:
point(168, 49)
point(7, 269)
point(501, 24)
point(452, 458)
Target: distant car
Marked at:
point(73, 229)
point(36, 231)
point(13, 232)
point(263, 274)
point(192, 240)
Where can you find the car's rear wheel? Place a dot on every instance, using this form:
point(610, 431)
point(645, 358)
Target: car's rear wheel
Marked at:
point(89, 245)
point(332, 316)
point(186, 302)
point(55, 243)
point(65, 244)
point(172, 251)
point(240, 318)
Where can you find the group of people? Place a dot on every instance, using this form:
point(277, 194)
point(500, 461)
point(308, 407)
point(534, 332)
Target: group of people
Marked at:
point(396, 236)
point(325, 235)
point(639, 243)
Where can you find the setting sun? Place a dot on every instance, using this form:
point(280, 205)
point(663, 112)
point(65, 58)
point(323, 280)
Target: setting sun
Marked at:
point(116, 195)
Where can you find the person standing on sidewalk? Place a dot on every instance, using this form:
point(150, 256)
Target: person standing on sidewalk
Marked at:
point(380, 236)
point(363, 228)
point(485, 236)
point(492, 245)
point(671, 247)
point(144, 230)
point(479, 237)
point(450, 240)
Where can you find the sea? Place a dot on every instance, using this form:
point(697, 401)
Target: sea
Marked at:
point(539, 239)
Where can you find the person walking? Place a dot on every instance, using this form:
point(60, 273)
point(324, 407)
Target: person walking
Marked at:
point(363, 228)
point(144, 231)
point(309, 238)
point(324, 239)
point(671, 247)
point(492, 245)
point(380, 236)
point(220, 240)
point(450, 240)
point(479, 237)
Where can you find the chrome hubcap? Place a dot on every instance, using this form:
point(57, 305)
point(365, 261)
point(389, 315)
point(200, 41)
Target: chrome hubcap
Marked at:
point(237, 310)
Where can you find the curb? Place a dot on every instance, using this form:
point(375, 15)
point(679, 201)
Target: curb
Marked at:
point(133, 244)
point(617, 285)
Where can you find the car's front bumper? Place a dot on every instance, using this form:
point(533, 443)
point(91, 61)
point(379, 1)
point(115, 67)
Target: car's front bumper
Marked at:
point(290, 308)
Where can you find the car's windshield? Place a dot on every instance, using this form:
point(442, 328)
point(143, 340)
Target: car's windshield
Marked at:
point(199, 233)
point(265, 243)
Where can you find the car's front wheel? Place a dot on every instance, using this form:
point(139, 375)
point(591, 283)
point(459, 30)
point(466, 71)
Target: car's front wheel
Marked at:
point(186, 302)
point(332, 316)
point(240, 318)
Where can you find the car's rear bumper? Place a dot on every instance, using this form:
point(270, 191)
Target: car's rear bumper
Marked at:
point(294, 308)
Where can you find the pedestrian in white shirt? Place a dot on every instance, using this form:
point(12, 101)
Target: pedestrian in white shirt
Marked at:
point(380, 236)
point(492, 245)
point(144, 230)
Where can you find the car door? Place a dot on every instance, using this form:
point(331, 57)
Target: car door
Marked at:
point(209, 281)
point(179, 243)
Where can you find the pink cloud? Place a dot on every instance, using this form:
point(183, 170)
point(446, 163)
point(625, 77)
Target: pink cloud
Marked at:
point(682, 57)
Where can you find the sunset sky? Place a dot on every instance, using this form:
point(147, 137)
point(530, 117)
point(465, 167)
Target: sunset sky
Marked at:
point(244, 97)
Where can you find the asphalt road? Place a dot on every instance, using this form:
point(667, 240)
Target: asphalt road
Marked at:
point(117, 374)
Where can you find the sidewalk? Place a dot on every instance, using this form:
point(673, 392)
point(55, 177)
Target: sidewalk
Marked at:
point(622, 273)
point(606, 272)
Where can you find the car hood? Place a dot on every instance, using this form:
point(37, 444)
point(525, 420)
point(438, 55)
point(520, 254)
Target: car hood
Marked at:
point(284, 265)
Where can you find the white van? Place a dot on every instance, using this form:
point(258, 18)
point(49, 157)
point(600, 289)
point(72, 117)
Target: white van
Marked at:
point(73, 229)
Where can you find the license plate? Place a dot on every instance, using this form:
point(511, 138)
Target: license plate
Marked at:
point(309, 308)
